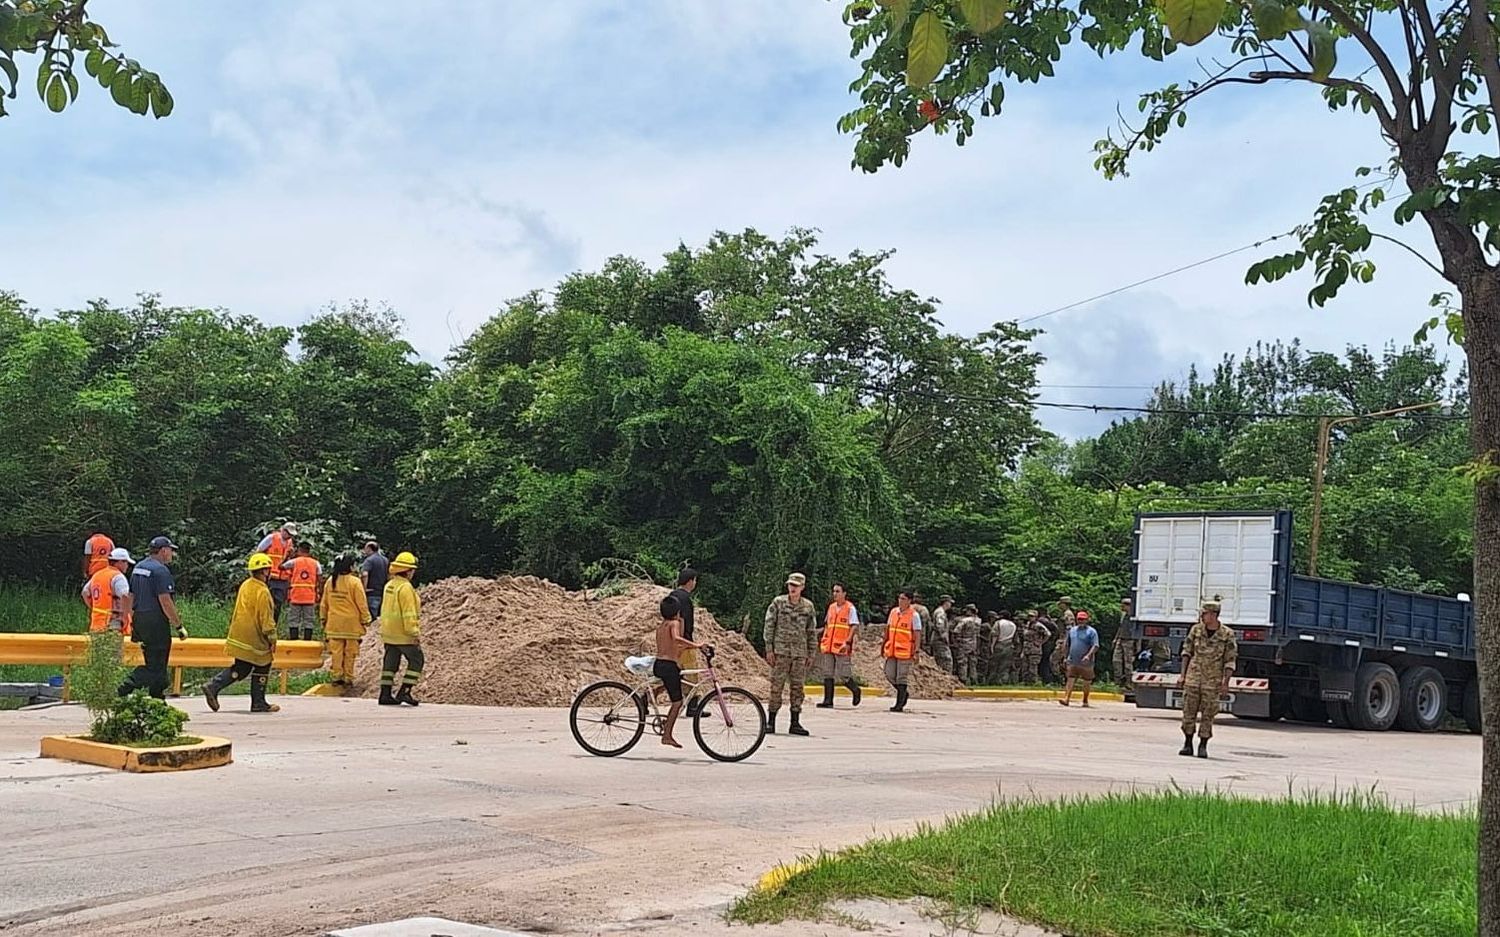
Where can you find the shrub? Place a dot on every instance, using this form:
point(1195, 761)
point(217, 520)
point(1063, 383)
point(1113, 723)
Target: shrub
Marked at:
point(140, 719)
point(96, 679)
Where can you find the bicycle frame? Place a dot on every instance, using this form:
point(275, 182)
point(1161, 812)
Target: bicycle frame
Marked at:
point(651, 684)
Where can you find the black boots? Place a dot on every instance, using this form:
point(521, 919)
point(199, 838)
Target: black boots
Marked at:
point(827, 694)
point(853, 689)
point(405, 696)
point(258, 702)
point(386, 699)
point(1187, 745)
point(211, 689)
point(796, 726)
point(771, 723)
point(900, 706)
point(1203, 748)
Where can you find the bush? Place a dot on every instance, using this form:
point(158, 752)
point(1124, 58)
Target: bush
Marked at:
point(140, 719)
point(97, 678)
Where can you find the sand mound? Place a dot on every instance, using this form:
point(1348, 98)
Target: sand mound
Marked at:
point(928, 681)
point(523, 641)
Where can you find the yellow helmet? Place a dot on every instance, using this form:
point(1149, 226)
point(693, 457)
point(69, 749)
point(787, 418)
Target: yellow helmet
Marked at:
point(404, 560)
point(258, 561)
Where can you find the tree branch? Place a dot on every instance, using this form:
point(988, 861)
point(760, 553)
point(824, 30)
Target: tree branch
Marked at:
point(1387, 120)
point(1413, 251)
point(1488, 59)
point(1377, 54)
point(1414, 89)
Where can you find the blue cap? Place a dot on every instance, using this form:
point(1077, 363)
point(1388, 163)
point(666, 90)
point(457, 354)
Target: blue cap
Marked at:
point(162, 543)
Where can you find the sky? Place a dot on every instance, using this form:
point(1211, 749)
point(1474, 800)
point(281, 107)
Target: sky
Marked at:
point(444, 157)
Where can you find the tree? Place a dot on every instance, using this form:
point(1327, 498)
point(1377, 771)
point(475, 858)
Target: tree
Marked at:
point(1426, 74)
point(60, 31)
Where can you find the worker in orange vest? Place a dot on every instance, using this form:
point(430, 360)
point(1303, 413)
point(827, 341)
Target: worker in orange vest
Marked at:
point(836, 646)
point(302, 593)
point(279, 545)
point(96, 552)
point(903, 635)
point(107, 594)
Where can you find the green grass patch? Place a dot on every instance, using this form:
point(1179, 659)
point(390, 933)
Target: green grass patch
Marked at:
point(182, 741)
point(1169, 865)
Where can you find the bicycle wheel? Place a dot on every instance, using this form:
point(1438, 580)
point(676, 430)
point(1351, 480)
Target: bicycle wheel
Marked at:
point(736, 738)
point(607, 718)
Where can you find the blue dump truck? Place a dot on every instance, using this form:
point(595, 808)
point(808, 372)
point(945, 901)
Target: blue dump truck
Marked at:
point(1312, 650)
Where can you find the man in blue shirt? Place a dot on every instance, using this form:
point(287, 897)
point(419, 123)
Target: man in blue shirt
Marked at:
point(374, 572)
point(1083, 646)
point(156, 617)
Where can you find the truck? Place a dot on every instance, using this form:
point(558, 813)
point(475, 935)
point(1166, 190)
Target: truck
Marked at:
point(1310, 649)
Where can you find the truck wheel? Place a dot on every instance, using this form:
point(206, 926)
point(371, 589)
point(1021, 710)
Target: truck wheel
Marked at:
point(1377, 697)
point(1308, 709)
point(1338, 714)
point(1424, 699)
point(1471, 705)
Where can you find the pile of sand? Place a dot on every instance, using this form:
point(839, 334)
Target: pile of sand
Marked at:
point(928, 680)
point(523, 641)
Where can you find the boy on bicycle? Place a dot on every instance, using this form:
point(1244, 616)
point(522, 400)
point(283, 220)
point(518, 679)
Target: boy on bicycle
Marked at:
point(669, 647)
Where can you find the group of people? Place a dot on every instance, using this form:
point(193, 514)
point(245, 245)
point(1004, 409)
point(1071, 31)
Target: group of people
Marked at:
point(283, 579)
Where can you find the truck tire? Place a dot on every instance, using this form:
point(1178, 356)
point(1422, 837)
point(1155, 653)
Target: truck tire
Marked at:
point(1308, 709)
point(1424, 699)
point(1471, 705)
point(1377, 697)
point(1338, 714)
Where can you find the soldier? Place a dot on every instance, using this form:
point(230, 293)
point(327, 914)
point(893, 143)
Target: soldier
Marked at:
point(986, 651)
point(1003, 657)
point(939, 634)
point(1034, 637)
point(965, 641)
point(1065, 621)
point(1125, 651)
point(791, 621)
point(1208, 659)
point(931, 642)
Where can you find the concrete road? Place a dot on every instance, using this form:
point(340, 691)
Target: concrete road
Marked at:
point(337, 813)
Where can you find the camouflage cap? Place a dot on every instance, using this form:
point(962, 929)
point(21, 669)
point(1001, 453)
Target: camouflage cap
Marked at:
point(1211, 606)
point(1065, 598)
point(796, 579)
point(944, 598)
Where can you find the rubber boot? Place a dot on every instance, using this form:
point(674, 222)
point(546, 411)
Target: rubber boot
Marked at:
point(1203, 748)
point(796, 726)
point(386, 699)
point(771, 723)
point(853, 690)
point(258, 702)
point(900, 699)
point(827, 694)
point(307, 634)
point(1187, 744)
point(405, 696)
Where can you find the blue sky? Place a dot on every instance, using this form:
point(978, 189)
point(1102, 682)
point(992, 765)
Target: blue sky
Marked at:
point(443, 157)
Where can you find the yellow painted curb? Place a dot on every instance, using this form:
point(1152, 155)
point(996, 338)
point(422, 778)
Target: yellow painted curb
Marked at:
point(844, 691)
point(1031, 694)
point(323, 689)
point(210, 753)
point(778, 876)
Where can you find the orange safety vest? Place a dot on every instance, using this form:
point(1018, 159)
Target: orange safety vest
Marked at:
point(836, 629)
point(281, 545)
point(899, 644)
point(101, 598)
point(304, 573)
point(98, 547)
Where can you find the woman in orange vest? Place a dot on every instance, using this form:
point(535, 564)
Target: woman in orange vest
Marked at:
point(107, 594)
point(903, 635)
point(302, 594)
point(836, 646)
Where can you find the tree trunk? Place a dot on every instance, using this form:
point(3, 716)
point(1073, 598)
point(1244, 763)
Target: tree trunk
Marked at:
point(1481, 311)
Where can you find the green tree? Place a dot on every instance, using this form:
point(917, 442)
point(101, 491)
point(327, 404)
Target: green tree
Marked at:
point(58, 32)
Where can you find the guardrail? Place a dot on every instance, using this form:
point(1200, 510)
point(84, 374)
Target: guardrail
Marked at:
point(65, 650)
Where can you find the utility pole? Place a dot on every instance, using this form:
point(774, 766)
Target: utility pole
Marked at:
point(1325, 430)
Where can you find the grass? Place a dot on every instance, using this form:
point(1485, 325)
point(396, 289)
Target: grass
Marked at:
point(1170, 864)
point(179, 742)
point(29, 609)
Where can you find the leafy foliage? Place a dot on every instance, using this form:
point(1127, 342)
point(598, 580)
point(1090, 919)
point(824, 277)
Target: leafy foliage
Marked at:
point(59, 31)
point(140, 719)
point(97, 678)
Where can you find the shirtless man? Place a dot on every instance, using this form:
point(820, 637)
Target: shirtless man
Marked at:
point(669, 647)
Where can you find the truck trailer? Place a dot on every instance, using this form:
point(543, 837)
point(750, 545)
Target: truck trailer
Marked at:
point(1312, 650)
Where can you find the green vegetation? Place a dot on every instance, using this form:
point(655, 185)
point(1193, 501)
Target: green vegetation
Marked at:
point(1169, 865)
point(139, 719)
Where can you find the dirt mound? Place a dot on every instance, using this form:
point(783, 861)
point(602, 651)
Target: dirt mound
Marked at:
point(928, 681)
point(523, 641)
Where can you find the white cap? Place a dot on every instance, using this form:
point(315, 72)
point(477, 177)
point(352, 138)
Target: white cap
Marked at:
point(290, 527)
point(118, 554)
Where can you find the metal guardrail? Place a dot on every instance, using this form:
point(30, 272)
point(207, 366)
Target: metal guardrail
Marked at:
point(65, 650)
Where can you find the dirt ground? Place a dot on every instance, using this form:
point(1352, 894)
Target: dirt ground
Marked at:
point(336, 813)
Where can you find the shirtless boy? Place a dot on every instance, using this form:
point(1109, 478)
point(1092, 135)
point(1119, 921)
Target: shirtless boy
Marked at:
point(669, 647)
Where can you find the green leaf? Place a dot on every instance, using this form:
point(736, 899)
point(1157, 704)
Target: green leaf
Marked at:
point(57, 94)
point(119, 89)
point(140, 95)
point(107, 70)
point(1320, 42)
point(11, 73)
point(92, 61)
point(1272, 20)
point(1192, 21)
point(928, 51)
point(161, 100)
point(43, 75)
point(984, 15)
point(899, 10)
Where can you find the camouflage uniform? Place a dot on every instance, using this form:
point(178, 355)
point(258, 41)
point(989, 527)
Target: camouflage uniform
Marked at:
point(986, 651)
point(1003, 657)
point(1210, 654)
point(1123, 660)
point(937, 642)
point(1065, 621)
point(789, 634)
point(965, 645)
point(1034, 635)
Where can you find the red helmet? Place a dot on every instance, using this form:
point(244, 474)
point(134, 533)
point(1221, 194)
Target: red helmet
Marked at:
point(1081, 616)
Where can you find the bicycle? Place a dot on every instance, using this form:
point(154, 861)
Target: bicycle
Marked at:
point(729, 722)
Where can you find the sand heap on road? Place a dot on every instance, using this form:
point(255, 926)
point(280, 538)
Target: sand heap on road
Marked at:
point(523, 641)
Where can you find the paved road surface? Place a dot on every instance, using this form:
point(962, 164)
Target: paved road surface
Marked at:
point(337, 813)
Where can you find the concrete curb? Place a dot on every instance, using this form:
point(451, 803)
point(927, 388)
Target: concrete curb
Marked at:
point(211, 752)
point(1004, 694)
point(842, 690)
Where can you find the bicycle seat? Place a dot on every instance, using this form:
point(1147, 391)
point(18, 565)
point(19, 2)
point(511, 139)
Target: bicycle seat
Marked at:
point(640, 666)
